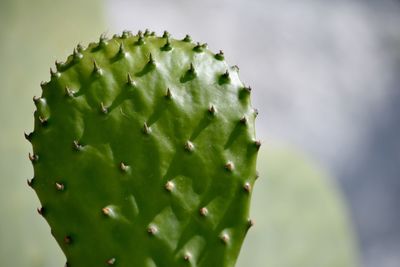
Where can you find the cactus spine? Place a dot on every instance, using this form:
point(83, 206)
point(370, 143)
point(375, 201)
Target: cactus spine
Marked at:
point(144, 154)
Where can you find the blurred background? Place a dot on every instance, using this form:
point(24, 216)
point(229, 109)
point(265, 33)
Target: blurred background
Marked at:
point(325, 78)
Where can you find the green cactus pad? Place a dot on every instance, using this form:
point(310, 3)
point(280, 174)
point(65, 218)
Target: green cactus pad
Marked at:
point(144, 154)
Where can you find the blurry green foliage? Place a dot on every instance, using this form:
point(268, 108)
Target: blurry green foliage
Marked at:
point(300, 217)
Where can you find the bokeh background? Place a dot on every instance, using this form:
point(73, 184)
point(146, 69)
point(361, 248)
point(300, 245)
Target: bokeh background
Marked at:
point(325, 78)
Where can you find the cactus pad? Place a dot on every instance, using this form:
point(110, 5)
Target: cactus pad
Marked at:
point(144, 154)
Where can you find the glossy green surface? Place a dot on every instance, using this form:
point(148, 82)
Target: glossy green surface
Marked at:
point(144, 154)
point(33, 35)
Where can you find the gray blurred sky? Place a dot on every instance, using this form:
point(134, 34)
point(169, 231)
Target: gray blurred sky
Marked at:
point(326, 79)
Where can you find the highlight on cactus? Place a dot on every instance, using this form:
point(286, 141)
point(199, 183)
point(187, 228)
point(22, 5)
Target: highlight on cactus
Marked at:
point(144, 154)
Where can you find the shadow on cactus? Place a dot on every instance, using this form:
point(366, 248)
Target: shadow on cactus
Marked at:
point(144, 154)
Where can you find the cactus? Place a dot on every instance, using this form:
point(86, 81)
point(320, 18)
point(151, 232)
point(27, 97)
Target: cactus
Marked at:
point(144, 154)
